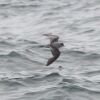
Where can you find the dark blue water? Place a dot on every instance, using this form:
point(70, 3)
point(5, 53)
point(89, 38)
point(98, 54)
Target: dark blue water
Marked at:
point(23, 51)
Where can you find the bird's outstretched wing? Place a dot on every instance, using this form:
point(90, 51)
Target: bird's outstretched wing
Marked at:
point(53, 38)
point(52, 59)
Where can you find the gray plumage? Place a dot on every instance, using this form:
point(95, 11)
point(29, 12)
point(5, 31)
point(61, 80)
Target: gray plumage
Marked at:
point(54, 45)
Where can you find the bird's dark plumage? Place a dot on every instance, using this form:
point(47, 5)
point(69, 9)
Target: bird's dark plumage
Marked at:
point(56, 54)
point(54, 45)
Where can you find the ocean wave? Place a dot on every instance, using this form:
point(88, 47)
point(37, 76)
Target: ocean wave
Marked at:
point(55, 74)
point(4, 43)
point(18, 81)
point(26, 5)
point(4, 5)
point(23, 81)
point(16, 55)
point(19, 5)
point(28, 41)
point(92, 56)
point(80, 88)
point(38, 76)
point(68, 80)
point(91, 73)
point(88, 55)
point(11, 54)
point(73, 84)
point(75, 52)
point(9, 82)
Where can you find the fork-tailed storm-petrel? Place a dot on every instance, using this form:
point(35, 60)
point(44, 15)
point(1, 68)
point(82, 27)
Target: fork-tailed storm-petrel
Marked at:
point(54, 45)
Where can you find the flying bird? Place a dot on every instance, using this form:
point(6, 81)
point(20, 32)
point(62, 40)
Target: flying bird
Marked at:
point(54, 45)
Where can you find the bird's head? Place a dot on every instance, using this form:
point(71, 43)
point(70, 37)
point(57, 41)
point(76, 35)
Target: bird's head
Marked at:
point(61, 44)
point(57, 44)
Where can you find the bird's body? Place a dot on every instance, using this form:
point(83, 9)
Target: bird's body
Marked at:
point(54, 45)
point(55, 52)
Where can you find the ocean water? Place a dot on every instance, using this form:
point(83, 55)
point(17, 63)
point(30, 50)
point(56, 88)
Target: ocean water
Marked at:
point(23, 51)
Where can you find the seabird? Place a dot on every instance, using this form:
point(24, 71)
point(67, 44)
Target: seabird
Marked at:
point(54, 45)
